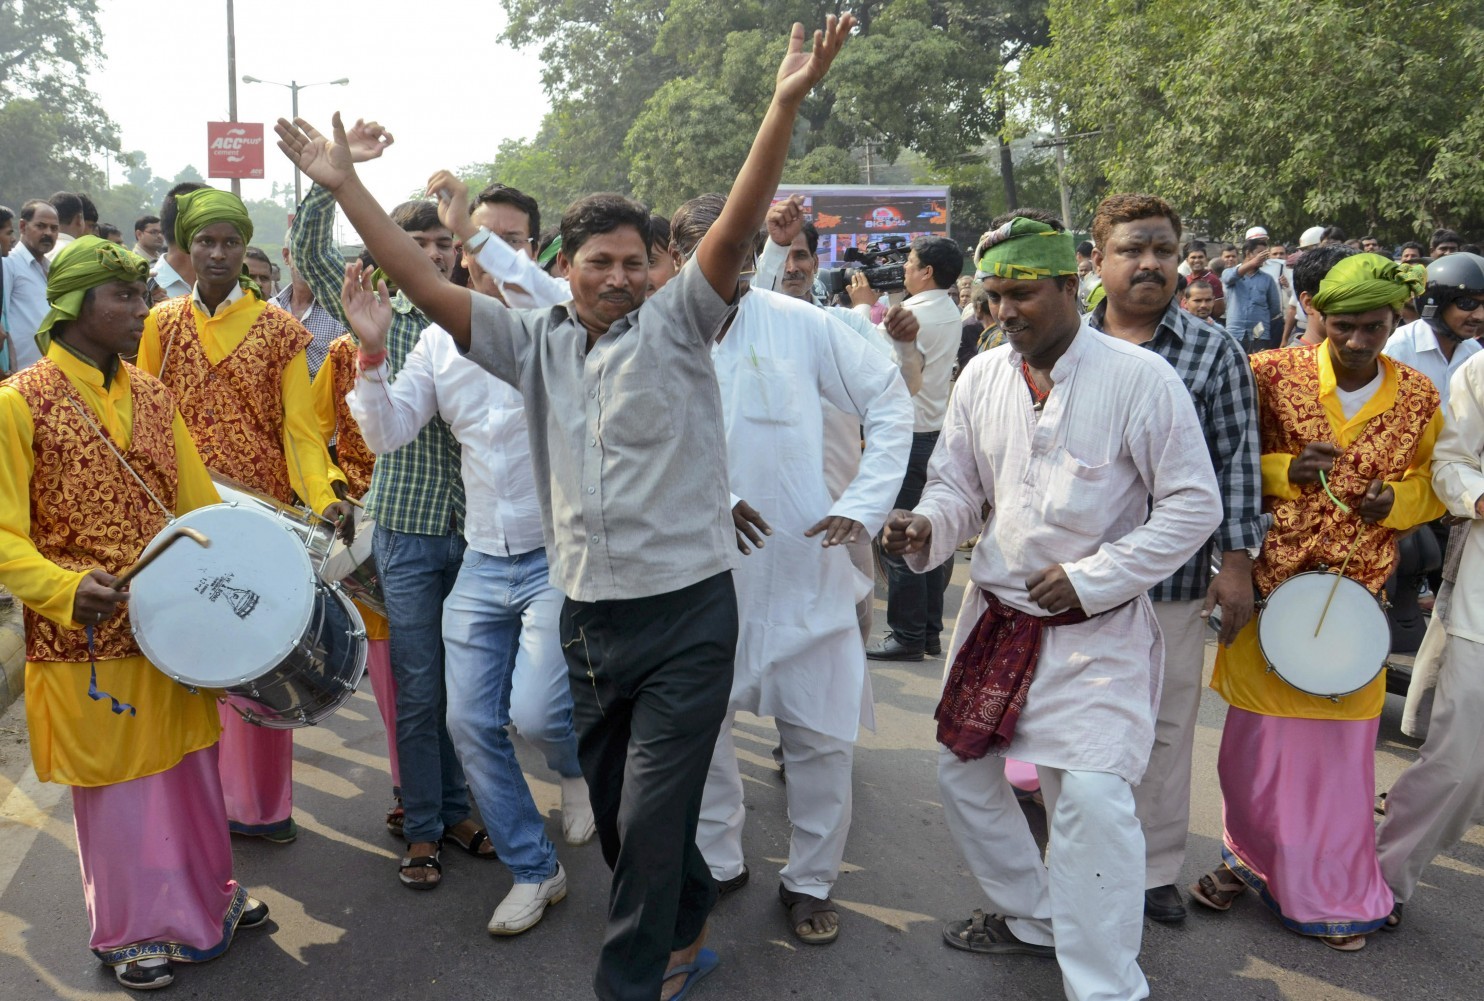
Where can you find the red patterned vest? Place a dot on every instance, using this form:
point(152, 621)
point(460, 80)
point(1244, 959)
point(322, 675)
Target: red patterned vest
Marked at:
point(234, 410)
point(1309, 530)
point(351, 454)
point(86, 509)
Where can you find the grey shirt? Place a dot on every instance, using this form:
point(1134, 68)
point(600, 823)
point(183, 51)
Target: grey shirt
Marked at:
point(627, 440)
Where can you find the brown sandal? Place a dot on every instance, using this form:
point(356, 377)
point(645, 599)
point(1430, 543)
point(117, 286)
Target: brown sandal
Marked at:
point(802, 909)
point(1344, 943)
point(1218, 889)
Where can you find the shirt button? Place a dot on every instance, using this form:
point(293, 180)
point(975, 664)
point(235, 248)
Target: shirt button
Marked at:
point(592, 490)
point(593, 442)
point(593, 395)
point(595, 538)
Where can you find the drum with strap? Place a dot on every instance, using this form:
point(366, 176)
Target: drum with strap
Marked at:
point(1324, 634)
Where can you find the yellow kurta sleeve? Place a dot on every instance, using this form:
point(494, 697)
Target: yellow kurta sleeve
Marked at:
point(310, 470)
point(1415, 500)
point(323, 390)
point(149, 347)
point(194, 487)
point(1275, 482)
point(41, 585)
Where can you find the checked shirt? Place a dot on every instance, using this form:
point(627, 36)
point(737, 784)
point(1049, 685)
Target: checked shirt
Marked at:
point(1214, 368)
point(417, 488)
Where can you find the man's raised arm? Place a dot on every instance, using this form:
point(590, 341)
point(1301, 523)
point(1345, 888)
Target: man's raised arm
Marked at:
point(728, 244)
point(329, 163)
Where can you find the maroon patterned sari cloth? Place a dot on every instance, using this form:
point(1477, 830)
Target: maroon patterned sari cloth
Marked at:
point(986, 688)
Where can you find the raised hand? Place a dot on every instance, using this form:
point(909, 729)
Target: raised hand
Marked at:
point(785, 220)
point(801, 70)
point(368, 140)
point(452, 196)
point(369, 311)
point(327, 162)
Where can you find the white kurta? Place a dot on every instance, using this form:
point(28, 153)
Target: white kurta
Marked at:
point(1458, 479)
point(1072, 486)
point(799, 654)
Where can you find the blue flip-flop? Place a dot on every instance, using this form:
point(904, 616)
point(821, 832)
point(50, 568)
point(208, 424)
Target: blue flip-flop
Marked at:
point(706, 961)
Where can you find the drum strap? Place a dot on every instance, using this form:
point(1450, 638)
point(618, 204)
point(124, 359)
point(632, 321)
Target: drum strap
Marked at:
point(96, 694)
point(82, 412)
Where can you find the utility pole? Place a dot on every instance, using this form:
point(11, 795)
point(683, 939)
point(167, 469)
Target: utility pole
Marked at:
point(1061, 174)
point(232, 81)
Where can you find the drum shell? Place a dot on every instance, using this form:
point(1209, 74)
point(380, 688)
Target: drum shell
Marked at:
point(1350, 649)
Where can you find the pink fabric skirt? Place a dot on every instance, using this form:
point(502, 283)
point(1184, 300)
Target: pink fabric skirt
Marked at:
point(157, 864)
point(257, 766)
point(384, 687)
point(1298, 797)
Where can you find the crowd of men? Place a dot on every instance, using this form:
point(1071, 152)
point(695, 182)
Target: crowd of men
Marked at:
point(622, 491)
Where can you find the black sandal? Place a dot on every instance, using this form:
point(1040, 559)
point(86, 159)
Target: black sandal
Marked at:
point(411, 862)
point(989, 934)
point(138, 977)
point(394, 819)
point(477, 841)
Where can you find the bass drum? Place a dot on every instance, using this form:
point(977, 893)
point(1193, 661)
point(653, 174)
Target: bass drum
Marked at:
point(1350, 648)
point(248, 616)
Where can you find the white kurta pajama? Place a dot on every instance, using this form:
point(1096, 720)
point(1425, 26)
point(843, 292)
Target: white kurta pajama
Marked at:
point(1071, 486)
point(799, 657)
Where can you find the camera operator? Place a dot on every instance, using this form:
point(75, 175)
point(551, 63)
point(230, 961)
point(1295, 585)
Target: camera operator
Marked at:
point(914, 603)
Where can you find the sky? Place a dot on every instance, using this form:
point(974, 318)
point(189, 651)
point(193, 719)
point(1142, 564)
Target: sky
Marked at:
point(420, 96)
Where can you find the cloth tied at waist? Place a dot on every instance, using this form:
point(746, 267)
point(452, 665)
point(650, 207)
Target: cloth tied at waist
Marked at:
point(987, 685)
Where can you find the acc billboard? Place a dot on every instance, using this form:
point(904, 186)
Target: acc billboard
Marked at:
point(234, 149)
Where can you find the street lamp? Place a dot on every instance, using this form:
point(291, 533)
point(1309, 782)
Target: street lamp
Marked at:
point(294, 87)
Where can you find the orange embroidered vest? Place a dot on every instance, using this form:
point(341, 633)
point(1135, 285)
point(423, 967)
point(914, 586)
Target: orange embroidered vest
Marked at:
point(234, 410)
point(86, 509)
point(352, 455)
point(1310, 530)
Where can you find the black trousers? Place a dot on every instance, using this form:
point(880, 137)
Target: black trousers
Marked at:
point(651, 678)
point(914, 602)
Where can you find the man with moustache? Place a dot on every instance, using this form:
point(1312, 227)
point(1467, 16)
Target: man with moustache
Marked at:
point(1199, 272)
point(1090, 454)
point(25, 280)
point(1451, 312)
point(1138, 239)
point(1197, 300)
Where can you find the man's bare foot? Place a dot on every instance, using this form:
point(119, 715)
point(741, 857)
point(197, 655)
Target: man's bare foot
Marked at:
point(682, 957)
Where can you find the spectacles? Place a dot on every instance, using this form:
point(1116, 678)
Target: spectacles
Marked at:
point(517, 240)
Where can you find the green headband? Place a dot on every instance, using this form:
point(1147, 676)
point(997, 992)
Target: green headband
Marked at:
point(1026, 250)
point(1363, 282)
point(549, 254)
point(84, 264)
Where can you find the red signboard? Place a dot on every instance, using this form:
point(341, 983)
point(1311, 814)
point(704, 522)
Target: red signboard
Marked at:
point(234, 149)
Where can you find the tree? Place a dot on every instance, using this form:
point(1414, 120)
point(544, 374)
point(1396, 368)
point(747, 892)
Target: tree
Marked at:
point(1363, 129)
point(823, 165)
point(52, 123)
point(689, 139)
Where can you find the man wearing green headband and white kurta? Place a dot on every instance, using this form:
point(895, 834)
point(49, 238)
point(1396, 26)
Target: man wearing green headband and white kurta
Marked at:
point(237, 368)
point(97, 461)
point(1056, 658)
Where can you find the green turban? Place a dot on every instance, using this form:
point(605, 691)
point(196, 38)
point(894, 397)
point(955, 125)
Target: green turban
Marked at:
point(1363, 282)
point(1025, 250)
point(205, 206)
point(84, 264)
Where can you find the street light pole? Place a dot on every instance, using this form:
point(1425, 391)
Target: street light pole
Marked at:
point(232, 81)
point(294, 87)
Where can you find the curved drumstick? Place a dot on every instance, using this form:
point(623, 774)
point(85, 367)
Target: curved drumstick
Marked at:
point(173, 536)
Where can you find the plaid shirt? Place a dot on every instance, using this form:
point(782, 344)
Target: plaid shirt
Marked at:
point(1214, 368)
point(319, 321)
point(417, 488)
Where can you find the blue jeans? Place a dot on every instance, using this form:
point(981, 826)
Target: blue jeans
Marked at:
point(914, 602)
point(499, 624)
point(417, 572)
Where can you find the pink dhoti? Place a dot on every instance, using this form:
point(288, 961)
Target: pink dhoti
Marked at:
point(384, 687)
point(257, 768)
point(1297, 799)
point(157, 864)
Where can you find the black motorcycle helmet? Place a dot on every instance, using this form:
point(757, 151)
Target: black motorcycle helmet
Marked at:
point(1455, 276)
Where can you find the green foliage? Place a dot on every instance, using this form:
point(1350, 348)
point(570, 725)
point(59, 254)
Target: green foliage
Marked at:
point(823, 165)
point(51, 122)
point(1355, 118)
point(689, 139)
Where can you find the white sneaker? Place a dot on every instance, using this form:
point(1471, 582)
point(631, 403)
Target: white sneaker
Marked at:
point(524, 905)
point(578, 825)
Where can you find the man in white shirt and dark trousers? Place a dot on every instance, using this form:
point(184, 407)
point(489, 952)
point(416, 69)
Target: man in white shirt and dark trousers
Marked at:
point(628, 444)
point(914, 602)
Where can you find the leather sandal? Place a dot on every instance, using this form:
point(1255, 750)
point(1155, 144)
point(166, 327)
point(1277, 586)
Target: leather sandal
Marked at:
point(1344, 943)
point(989, 934)
point(411, 862)
point(394, 819)
point(802, 910)
point(474, 846)
point(1218, 889)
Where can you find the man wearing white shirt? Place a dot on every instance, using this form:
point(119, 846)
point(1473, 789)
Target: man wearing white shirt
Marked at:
point(72, 220)
point(1452, 310)
point(800, 660)
point(914, 603)
point(25, 280)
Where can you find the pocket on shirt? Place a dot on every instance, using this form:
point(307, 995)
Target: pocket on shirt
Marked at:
point(1078, 494)
point(637, 414)
point(767, 387)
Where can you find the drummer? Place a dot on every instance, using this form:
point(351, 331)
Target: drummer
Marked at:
point(236, 367)
point(335, 378)
point(1347, 438)
point(138, 749)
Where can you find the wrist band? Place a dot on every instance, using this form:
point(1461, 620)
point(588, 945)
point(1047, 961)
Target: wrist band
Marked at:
point(371, 360)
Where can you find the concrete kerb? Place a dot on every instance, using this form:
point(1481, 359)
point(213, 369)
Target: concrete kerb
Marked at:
point(12, 651)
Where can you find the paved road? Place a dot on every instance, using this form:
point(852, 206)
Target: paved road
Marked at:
point(344, 928)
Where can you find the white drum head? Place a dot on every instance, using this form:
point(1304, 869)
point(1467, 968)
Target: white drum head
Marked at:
point(1351, 647)
point(226, 614)
point(343, 560)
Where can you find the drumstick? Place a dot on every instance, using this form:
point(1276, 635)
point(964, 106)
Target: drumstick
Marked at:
point(171, 538)
point(1336, 586)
